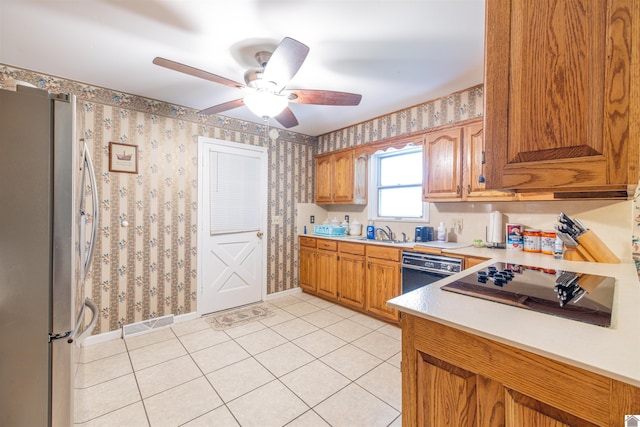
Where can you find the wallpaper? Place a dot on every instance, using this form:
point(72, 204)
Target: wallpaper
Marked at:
point(453, 108)
point(148, 269)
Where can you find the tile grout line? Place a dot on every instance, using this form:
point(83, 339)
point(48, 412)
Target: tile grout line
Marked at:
point(325, 309)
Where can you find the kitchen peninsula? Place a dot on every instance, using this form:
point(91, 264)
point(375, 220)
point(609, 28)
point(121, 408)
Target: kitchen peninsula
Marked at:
point(467, 361)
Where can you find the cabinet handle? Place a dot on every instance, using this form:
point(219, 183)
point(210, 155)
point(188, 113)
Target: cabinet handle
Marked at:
point(468, 188)
point(458, 189)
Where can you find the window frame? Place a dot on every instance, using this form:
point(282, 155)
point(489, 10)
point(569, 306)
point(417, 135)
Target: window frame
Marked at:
point(373, 181)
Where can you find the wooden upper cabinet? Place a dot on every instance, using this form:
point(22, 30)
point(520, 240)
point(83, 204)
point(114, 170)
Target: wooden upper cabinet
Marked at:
point(453, 159)
point(559, 94)
point(341, 178)
point(473, 166)
point(442, 154)
point(324, 179)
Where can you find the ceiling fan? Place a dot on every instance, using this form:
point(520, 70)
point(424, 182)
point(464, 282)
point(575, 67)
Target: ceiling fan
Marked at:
point(266, 84)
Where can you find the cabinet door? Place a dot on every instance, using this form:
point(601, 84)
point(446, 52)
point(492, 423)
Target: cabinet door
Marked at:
point(446, 394)
point(343, 177)
point(442, 164)
point(308, 269)
point(473, 167)
point(383, 283)
point(351, 279)
point(324, 179)
point(360, 173)
point(523, 411)
point(327, 273)
point(557, 91)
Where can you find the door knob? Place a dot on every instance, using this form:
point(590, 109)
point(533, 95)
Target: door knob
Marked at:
point(259, 234)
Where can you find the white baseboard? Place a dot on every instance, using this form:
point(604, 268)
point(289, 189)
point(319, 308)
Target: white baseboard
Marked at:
point(103, 337)
point(117, 334)
point(283, 293)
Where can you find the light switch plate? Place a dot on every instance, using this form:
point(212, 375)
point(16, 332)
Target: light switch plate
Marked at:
point(276, 220)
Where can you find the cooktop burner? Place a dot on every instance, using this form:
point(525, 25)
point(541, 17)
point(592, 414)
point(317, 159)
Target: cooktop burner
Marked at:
point(576, 296)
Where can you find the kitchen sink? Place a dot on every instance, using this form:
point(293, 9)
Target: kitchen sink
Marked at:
point(388, 242)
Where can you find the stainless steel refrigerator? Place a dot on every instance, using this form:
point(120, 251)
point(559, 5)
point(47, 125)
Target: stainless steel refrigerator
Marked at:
point(46, 243)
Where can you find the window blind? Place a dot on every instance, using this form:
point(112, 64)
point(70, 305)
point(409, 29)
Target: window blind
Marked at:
point(234, 199)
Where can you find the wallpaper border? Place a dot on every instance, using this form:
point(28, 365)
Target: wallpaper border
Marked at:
point(115, 98)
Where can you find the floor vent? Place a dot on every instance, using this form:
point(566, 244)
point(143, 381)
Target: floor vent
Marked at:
point(147, 325)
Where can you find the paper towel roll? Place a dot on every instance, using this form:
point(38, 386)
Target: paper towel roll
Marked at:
point(494, 233)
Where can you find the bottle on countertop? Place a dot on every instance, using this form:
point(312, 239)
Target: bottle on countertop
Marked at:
point(558, 251)
point(442, 233)
point(371, 231)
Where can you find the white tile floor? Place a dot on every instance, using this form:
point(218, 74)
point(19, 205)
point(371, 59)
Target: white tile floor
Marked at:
point(311, 364)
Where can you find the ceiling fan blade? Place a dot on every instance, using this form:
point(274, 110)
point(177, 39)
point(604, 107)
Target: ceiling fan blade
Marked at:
point(285, 62)
point(287, 118)
point(324, 97)
point(223, 107)
point(196, 72)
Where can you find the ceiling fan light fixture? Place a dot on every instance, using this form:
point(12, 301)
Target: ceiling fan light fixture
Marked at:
point(265, 104)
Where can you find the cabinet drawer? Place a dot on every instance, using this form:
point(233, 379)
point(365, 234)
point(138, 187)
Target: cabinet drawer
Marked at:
point(351, 248)
point(308, 242)
point(382, 252)
point(329, 245)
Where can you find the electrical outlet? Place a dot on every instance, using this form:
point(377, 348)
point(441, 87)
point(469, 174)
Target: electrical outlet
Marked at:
point(276, 220)
point(346, 218)
point(457, 224)
point(312, 219)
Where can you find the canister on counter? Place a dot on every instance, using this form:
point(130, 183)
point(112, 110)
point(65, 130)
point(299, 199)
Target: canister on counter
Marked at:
point(531, 240)
point(514, 236)
point(548, 242)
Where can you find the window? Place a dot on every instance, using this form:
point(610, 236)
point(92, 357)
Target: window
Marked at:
point(396, 183)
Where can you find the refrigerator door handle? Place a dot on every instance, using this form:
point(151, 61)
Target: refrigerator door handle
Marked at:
point(92, 324)
point(96, 211)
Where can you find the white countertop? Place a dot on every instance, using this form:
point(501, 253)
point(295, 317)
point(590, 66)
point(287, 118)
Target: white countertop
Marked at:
point(613, 352)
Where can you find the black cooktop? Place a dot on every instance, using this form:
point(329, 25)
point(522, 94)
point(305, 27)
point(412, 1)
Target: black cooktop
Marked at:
point(576, 296)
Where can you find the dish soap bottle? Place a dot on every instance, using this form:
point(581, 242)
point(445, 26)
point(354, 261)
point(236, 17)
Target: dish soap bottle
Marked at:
point(442, 233)
point(371, 231)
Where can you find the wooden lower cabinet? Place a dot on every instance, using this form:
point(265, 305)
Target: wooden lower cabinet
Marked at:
point(351, 274)
point(327, 273)
point(356, 275)
point(454, 378)
point(383, 280)
point(307, 263)
point(308, 269)
point(471, 261)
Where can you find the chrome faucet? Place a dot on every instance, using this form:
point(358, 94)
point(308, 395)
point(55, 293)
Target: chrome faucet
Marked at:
point(390, 232)
point(384, 232)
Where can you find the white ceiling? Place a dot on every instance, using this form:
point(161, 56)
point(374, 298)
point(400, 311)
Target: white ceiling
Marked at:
point(396, 53)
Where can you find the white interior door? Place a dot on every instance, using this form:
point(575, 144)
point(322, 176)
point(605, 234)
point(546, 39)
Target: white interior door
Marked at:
point(232, 183)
